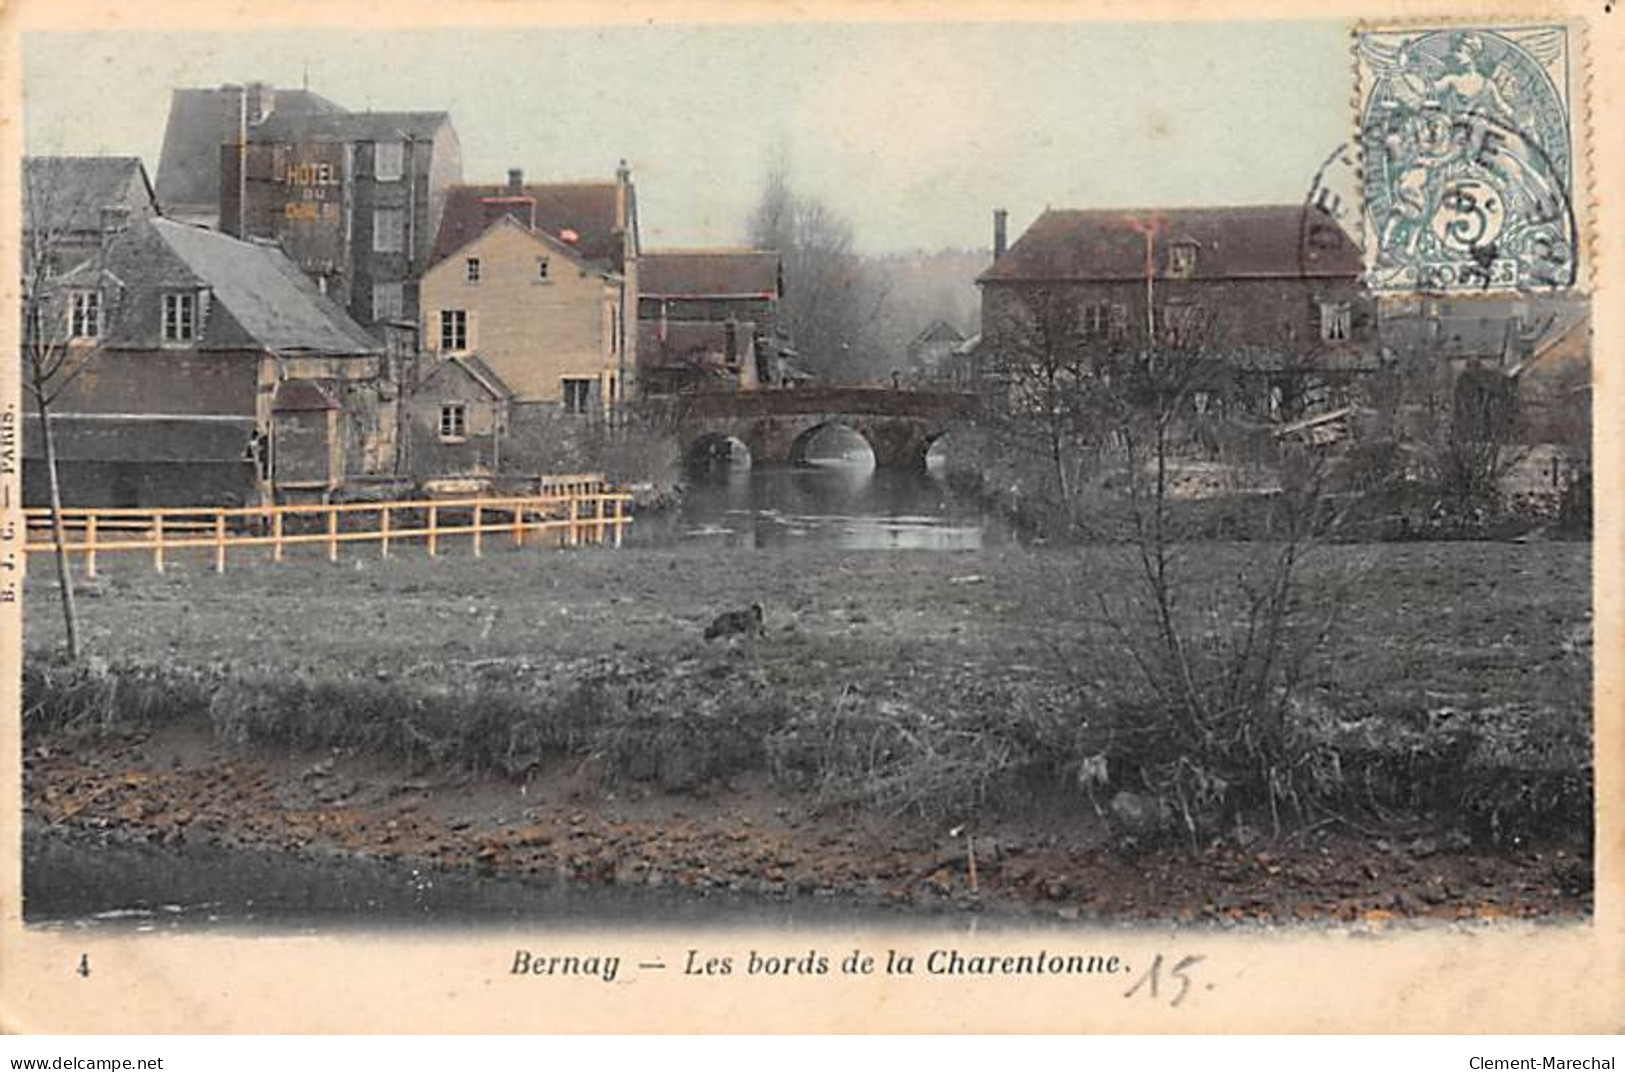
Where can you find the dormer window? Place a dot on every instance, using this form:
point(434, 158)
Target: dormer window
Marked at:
point(180, 317)
point(85, 315)
point(1181, 260)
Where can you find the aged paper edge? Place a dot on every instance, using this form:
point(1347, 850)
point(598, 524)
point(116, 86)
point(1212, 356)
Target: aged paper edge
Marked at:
point(1507, 978)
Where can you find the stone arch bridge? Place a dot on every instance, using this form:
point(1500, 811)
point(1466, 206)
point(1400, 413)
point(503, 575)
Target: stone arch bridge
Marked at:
point(777, 425)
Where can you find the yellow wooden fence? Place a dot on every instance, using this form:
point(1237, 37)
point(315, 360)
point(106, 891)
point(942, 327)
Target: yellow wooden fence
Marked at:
point(572, 511)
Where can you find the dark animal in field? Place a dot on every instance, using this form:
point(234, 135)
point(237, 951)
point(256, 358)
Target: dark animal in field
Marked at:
point(737, 623)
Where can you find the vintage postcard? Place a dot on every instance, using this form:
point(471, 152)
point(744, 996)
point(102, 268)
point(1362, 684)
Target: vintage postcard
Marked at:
point(562, 517)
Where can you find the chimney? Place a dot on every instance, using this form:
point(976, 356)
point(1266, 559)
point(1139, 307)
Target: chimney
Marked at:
point(516, 180)
point(1000, 216)
point(261, 99)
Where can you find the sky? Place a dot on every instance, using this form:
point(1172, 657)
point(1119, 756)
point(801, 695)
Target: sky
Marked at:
point(913, 132)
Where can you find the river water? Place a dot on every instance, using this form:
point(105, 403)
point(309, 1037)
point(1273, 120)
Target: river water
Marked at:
point(838, 501)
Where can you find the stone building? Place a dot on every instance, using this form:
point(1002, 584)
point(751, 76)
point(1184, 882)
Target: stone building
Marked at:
point(354, 198)
point(708, 319)
point(457, 418)
point(536, 280)
point(1275, 291)
point(195, 361)
point(201, 120)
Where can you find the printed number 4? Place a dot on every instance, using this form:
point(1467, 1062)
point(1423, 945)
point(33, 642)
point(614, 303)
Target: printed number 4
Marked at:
point(1153, 977)
point(84, 966)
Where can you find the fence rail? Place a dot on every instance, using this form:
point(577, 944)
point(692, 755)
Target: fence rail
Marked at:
point(587, 511)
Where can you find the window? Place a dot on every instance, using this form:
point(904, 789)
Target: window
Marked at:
point(180, 317)
point(85, 320)
point(388, 160)
point(1336, 318)
point(1182, 260)
point(453, 421)
point(578, 395)
point(388, 230)
point(388, 301)
point(541, 269)
point(473, 267)
point(1179, 324)
point(454, 329)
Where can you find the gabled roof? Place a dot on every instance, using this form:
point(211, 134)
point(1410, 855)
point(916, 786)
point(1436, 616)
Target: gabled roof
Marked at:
point(1247, 242)
point(202, 120)
point(306, 396)
point(473, 367)
point(940, 331)
point(70, 191)
point(273, 301)
point(586, 210)
point(349, 126)
point(258, 299)
point(708, 273)
point(541, 238)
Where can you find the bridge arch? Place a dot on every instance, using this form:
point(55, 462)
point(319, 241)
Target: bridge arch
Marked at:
point(716, 447)
point(802, 443)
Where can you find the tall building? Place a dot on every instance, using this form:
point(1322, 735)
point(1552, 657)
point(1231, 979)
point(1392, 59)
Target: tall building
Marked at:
point(200, 122)
point(354, 198)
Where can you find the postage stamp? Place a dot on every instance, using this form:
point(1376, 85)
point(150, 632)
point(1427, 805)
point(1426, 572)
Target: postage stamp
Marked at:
point(1468, 138)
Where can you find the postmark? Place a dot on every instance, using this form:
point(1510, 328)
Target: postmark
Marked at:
point(1467, 137)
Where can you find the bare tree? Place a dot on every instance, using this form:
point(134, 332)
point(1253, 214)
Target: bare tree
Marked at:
point(833, 301)
point(64, 308)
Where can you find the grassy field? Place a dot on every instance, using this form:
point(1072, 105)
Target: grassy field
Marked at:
point(892, 694)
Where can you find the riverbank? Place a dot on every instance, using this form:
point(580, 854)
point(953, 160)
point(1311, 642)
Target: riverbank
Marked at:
point(558, 715)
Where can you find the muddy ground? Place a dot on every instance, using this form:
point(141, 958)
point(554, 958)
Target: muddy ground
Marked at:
point(1426, 633)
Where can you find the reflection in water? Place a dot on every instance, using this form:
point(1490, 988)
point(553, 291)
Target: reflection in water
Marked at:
point(841, 502)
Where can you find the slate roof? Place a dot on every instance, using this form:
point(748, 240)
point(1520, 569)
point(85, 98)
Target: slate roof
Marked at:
point(258, 299)
point(202, 120)
point(696, 273)
point(349, 126)
point(86, 438)
point(475, 368)
point(585, 208)
point(71, 190)
point(1248, 242)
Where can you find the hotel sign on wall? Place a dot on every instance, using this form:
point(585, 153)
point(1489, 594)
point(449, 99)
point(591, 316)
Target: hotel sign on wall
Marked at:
point(314, 180)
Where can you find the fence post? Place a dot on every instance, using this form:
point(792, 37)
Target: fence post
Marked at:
point(90, 544)
point(574, 513)
point(383, 533)
point(479, 513)
point(598, 515)
point(519, 522)
point(220, 541)
point(332, 533)
point(434, 528)
point(276, 533)
point(158, 542)
point(620, 525)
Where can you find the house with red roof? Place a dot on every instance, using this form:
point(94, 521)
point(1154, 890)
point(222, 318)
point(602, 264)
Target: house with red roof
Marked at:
point(708, 320)
point(536, 280)
point(1274, 290)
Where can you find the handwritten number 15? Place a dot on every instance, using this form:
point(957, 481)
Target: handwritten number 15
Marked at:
point(1152, 979)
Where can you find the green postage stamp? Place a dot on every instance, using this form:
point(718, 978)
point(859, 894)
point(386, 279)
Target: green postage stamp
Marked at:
point(1471, 177)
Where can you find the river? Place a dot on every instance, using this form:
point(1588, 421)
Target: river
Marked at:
point(840, 500)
